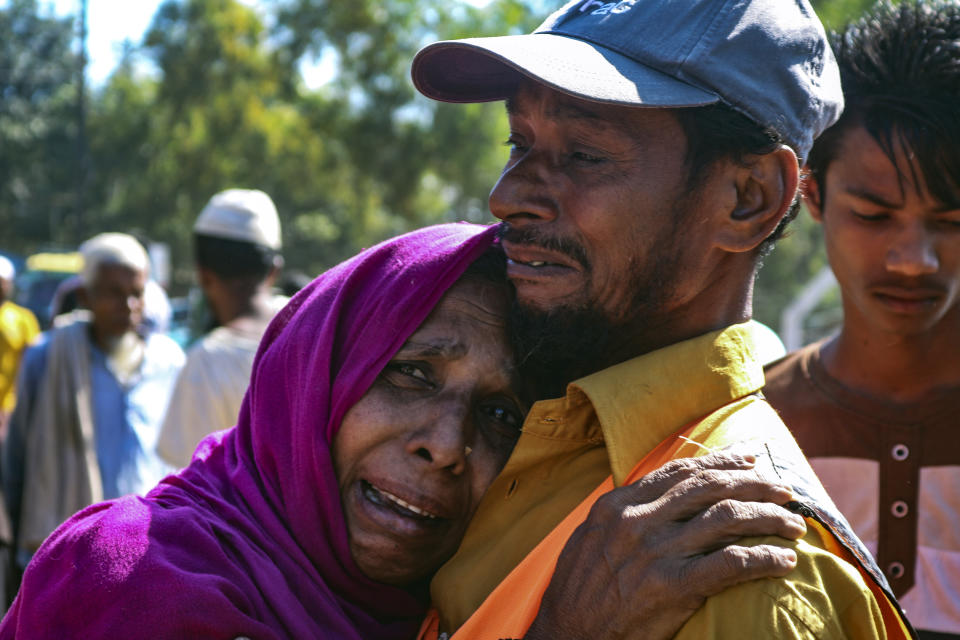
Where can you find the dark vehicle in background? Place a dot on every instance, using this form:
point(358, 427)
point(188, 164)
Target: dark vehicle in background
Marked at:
point(38, 281)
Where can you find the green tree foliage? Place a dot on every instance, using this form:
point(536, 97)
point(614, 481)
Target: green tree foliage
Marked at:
point(222, 104)
point(37, 125)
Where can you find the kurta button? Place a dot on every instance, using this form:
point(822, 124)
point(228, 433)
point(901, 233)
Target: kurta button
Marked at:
point(899, 509)
point(900, 452)
point(895, 570)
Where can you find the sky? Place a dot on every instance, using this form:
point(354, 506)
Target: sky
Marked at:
point(111, 22)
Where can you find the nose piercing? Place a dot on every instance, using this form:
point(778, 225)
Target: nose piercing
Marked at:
point(467, 451)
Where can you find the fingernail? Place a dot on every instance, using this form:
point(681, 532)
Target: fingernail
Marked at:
point(749, 458)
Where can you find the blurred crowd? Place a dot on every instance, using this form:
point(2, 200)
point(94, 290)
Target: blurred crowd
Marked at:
point(80, 424)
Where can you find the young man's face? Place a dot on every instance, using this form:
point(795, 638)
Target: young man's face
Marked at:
point(596, 201)
point(894, 248)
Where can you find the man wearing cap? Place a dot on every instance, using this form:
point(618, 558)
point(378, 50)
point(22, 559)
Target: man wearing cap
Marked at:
point(18, 328)
point(236, 248)
point(875, 407)
point(654, 159)
point(91, 397)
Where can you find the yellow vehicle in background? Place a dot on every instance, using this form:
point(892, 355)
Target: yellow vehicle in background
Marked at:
point(38, 280)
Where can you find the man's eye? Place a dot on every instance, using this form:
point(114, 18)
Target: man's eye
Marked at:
point(587, 158)
point(871, 217)
point(516, 144)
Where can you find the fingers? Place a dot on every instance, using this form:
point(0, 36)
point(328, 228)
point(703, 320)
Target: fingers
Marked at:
point(730, 520)
point(657, 482)
point(733, 565)
point(693, 492)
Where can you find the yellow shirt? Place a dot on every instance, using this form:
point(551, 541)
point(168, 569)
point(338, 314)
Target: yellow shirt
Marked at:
point(18, 329)
point(607, 423)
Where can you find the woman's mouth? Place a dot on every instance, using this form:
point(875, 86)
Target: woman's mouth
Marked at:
point(384, 498)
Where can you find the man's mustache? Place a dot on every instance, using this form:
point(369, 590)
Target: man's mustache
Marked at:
point(531, 236)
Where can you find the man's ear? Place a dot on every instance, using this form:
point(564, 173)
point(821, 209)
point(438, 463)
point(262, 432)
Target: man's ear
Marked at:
point(766, 186)
point(812, 197)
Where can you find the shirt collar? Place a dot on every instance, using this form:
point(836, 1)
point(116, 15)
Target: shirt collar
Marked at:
point(642, 401)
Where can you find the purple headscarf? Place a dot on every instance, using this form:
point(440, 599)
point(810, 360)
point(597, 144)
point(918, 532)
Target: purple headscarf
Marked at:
point(250, 540)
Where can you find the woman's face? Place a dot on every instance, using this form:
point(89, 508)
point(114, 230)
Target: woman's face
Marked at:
point(415, 455)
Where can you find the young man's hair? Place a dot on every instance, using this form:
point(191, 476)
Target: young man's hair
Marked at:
point(717, 132)
point(233, 259)
point(900, 69)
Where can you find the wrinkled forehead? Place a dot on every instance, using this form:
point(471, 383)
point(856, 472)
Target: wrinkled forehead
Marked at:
point(473, 302)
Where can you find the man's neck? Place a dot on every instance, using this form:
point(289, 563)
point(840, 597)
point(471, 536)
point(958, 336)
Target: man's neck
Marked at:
point(895, 366)
point(256, 308)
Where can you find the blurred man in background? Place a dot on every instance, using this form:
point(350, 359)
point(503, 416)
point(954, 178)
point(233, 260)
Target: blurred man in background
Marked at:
point(18, 328)
point(875, 407)
point(91, 397)
point(237, 244)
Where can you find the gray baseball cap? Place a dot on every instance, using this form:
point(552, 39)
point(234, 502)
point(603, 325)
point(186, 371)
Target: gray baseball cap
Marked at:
point(768, 59)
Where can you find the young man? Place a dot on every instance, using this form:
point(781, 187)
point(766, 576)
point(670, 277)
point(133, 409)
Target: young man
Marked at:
point(654, 157)
point(90, 400)
point(236, 247)
point(875, 407)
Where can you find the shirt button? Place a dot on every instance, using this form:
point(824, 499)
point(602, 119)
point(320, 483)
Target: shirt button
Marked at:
point(899, 509)
point(895, 570)
point(900, 452)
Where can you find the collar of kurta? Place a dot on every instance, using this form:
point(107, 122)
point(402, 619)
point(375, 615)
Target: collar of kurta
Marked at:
point(668, 388)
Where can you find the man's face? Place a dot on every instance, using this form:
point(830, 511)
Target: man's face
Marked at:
point(894, 248)
point(116, 299)
point(592, 197)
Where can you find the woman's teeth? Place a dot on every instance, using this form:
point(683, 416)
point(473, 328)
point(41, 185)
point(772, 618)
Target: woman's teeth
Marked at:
point(403, 503)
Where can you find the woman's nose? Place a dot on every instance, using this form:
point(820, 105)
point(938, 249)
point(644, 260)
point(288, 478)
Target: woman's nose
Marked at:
point(444, 441)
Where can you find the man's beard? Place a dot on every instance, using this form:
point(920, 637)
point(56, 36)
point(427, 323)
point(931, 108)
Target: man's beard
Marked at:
point(556, 346)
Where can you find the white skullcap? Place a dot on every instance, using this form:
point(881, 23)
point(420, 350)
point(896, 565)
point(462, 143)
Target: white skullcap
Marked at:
point(112, 248)
point(7, 272)
point(241, 214)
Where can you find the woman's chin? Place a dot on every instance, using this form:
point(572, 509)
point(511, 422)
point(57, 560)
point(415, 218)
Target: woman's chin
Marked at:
point(394, 544)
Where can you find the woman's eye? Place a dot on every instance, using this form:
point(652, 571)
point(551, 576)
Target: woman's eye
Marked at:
point(406, 374)
point(411, 370)
point(505, 418)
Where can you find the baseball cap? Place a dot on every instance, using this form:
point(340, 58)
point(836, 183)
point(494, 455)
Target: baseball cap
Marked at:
point(768, 59)
point(248, 215)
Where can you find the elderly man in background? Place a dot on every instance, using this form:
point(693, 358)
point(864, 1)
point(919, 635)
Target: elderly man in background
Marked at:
point(18, 329)
point(236, 249)
point(654, 159)
point(91, 396)
point(875, 407)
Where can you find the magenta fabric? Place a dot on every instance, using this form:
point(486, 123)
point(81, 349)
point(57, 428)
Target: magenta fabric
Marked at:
point(249, 540)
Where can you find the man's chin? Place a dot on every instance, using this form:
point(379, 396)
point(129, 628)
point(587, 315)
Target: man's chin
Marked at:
point(558, 344)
